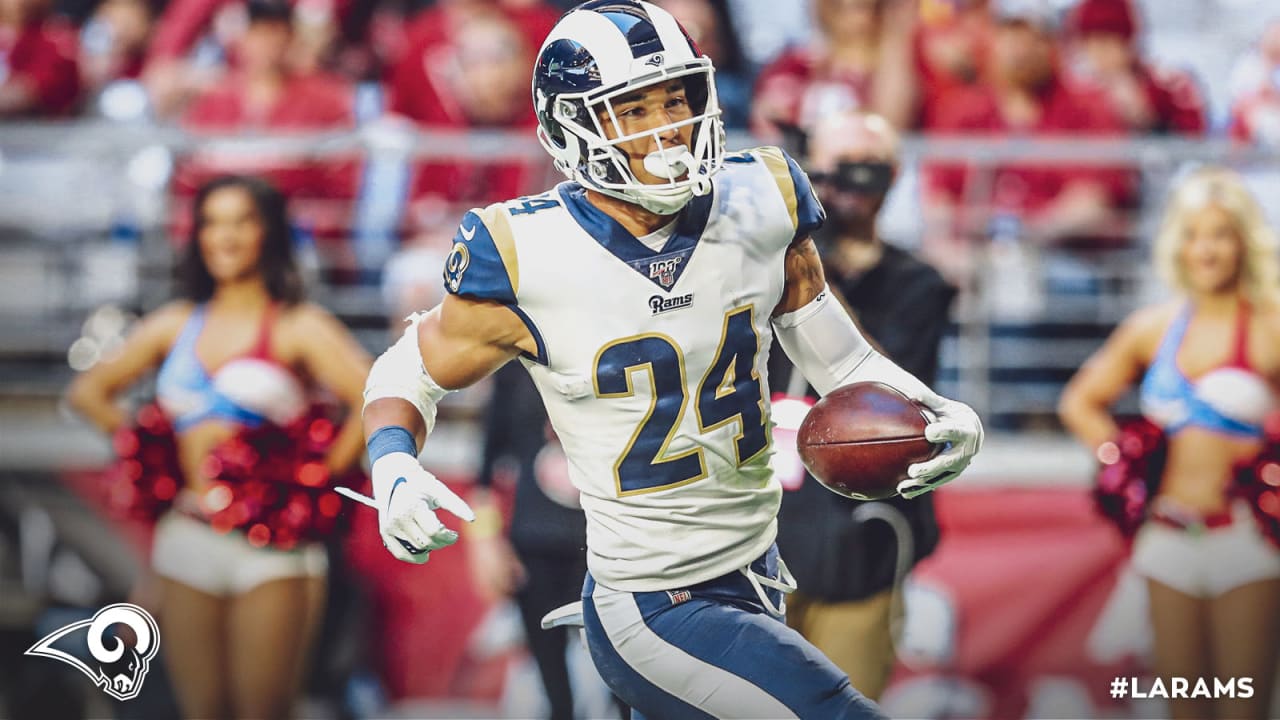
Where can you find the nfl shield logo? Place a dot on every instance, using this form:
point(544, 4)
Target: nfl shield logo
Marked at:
point(664, 271)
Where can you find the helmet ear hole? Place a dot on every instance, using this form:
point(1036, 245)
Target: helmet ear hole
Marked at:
point(565, 109)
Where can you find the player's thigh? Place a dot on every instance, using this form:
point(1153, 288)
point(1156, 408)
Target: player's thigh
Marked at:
point(271, 629)
point(193, 630)
point(702, 658)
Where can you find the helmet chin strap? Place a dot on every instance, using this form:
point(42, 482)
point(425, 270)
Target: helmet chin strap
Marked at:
point(670, 163)
point(659, 200)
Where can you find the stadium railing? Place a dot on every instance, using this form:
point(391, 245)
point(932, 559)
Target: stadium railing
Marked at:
point(86, 211)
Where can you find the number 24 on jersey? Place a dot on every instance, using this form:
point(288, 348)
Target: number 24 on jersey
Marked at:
point(729, 392)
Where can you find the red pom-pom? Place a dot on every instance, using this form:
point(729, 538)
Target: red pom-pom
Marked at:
point(313, 474)
point(165, 488)
point(1129, 475)
point(1271, 428)
point(275, 484)
point(329, 505)
point(141, 484)
point(1258, 482)
point(259, 535)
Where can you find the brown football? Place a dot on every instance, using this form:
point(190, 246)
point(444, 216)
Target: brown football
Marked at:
point(859, 440)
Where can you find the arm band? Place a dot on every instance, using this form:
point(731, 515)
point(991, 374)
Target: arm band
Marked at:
point(390, 439)
point(399, 373)
point(829, 350)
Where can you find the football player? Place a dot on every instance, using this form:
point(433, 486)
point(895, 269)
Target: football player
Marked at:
point(642, 296)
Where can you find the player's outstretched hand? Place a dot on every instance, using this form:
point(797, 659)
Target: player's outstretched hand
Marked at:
point(959, 430)
point(407, 496)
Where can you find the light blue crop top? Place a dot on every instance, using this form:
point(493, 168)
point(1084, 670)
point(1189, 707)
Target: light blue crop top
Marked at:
point(1175, 402)
point(190, 395)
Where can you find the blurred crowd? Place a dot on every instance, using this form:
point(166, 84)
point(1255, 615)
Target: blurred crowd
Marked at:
point(463, 63)
point(998, 68)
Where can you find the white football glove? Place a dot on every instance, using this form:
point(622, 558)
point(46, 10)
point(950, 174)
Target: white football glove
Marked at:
point(406, 497)
point(954, 424)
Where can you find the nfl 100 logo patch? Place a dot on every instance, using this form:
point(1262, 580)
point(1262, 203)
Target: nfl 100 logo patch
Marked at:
point(664, 271)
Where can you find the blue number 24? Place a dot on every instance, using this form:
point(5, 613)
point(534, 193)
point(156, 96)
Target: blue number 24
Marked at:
point(729, 392)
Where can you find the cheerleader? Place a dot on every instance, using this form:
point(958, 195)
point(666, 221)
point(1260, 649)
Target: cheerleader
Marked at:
point(1207, 365)
point(238, 350)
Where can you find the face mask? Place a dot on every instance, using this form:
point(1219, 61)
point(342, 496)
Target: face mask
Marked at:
point(853, 196)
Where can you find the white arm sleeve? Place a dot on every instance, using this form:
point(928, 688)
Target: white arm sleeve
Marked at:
point(827, 348)
point(399, 373)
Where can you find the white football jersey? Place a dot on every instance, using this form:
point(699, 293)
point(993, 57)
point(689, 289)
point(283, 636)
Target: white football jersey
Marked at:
point(652, 363)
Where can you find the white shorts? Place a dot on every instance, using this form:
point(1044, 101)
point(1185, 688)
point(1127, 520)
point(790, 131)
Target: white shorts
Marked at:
point(193, 553)
point(1209, 562)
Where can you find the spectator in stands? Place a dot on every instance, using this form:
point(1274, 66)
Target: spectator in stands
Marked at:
point(473, 73)
point(264, 91)
point(1255, 112)
point(861, 61)
point(1207, 367)
point(38, 72)
point(1024, 95)
point(846, 563)
point(264, 94)
point(708, 24)
point(237, 618)
point(950, 48)
point(113, 43)
point(1105, 59)
point(448, 47)
point(196, 41)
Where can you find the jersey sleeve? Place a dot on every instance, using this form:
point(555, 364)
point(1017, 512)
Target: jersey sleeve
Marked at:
point(802, 203)
point(482, 263)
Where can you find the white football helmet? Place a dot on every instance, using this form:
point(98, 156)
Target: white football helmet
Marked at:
point(605, 49)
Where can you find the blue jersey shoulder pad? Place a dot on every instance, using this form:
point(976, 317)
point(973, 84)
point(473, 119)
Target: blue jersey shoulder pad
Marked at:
point(483, 263)
point(802, 203)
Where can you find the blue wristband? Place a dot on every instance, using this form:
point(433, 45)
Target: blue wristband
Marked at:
point(390, 439)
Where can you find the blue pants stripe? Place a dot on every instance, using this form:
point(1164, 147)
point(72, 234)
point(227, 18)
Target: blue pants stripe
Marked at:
point(642, 695)
point(733, 649)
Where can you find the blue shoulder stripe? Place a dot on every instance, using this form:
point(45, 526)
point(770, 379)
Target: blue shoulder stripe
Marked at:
point(481, 263)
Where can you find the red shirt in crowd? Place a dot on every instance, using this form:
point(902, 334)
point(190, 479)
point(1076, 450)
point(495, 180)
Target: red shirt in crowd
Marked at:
point(419, 91)
point(414, 87)
point(185, 21)
point(936, 80)
point(1027, 187)
point(310, 103)
point(799, 82)
point(43, 56)
point(1176, 103)
point(1255, 117)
